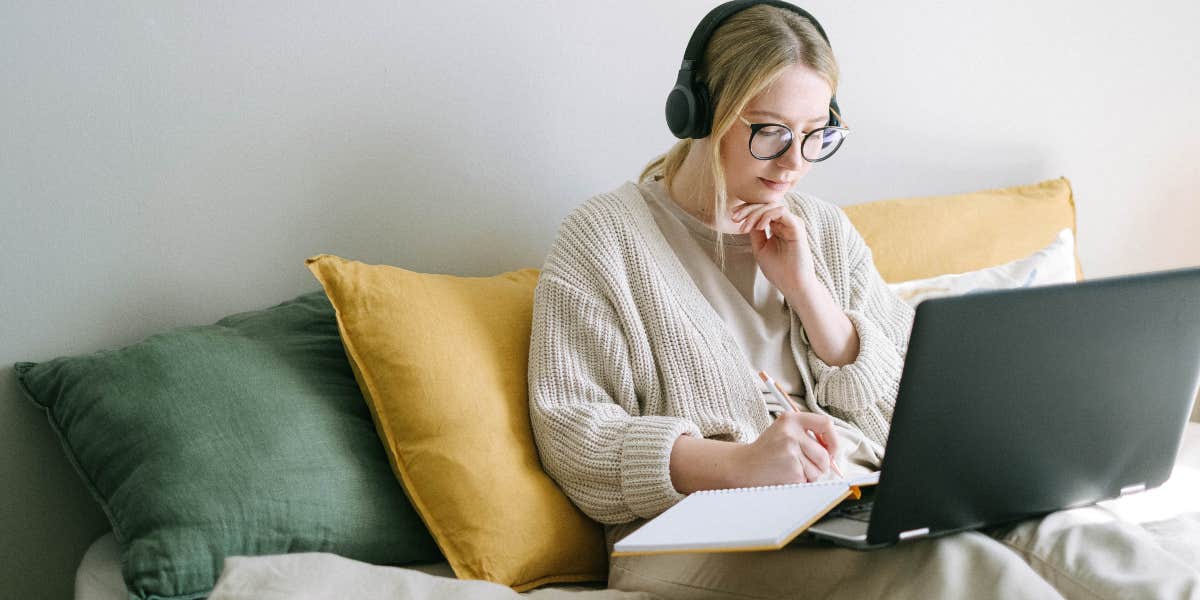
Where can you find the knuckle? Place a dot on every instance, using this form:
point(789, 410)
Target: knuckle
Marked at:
point(794, 433)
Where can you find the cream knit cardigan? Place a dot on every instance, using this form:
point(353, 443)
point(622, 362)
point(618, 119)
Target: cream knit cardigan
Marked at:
point(626, 353)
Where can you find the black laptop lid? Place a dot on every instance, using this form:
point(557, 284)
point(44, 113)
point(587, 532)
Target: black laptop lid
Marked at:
point(1015, 403)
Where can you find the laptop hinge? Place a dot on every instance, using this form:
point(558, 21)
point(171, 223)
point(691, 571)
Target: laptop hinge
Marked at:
point(912, 533)
point(1133, 489)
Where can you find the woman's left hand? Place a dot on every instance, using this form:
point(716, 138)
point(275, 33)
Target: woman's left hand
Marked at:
point(785, 258)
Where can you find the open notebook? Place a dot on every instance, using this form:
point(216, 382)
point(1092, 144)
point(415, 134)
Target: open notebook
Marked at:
point(740, 519)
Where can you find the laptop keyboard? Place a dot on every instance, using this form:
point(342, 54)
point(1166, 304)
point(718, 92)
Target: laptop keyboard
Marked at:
point(859, 511)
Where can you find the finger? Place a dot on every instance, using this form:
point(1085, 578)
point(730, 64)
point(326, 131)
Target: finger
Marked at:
point(784, 224)
point(758, 240)
point(749, 210)
point(799, 474)
point(815, 452)
point(745, 218)
point(829, 440)
point(766, 215)
point(811, 471)
point(819, 456)
point(743, 211)
point(736, 216)
point(821, 425)
point(762, 219)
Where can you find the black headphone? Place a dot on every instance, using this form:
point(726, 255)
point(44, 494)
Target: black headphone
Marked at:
point(689, 113)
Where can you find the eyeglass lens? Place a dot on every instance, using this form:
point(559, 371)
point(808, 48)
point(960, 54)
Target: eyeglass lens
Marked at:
point(772, 141)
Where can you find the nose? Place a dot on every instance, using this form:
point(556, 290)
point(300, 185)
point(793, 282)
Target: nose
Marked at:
point(792, 160)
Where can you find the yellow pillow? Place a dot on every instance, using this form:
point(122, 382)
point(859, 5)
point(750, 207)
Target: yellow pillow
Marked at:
point(918, 238)
point(442, 362)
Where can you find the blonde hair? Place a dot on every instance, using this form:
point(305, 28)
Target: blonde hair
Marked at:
point(745, 55)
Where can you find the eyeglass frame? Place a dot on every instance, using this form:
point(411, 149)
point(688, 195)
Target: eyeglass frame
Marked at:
point(755, 127)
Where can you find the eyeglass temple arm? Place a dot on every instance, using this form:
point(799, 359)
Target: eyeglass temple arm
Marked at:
point(839, 118)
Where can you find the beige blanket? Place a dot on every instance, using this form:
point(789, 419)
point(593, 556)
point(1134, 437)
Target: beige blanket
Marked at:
point(321, 576)
point(1171, 513)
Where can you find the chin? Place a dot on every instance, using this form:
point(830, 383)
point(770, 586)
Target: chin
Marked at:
point(759, 193)
point(753, 191)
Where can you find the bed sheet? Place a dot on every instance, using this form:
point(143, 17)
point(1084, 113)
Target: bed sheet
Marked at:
point(1170, 513)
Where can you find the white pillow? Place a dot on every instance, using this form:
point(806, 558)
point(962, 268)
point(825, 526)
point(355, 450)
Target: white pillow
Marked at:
point(1050, 265)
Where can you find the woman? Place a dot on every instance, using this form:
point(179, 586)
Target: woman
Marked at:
point(660, 301)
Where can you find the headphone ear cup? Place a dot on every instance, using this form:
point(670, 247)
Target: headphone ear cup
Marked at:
point(681, 111)
point(704, 111)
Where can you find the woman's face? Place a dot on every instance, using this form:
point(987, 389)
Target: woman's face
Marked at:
point(798, 99)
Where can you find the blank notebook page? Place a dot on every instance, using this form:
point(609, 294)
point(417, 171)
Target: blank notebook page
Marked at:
point(742, 518)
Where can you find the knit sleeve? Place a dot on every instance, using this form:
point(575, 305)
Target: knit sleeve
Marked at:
point(611, 462)
point(864, 391)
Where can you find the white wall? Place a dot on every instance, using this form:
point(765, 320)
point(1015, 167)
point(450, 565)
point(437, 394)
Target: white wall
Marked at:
point(168, 163)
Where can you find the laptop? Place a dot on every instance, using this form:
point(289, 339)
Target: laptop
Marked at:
point(1016, 403)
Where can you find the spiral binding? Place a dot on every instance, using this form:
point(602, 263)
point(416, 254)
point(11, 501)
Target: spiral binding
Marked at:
point(775, 487)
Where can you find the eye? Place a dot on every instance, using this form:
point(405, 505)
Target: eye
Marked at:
point(772, 131)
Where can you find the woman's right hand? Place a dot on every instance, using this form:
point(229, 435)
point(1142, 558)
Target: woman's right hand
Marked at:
point(786, 453)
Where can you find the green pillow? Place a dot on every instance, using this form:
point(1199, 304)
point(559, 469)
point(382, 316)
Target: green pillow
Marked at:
point(246, 437)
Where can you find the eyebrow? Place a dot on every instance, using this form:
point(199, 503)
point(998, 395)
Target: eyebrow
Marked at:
point(782, 119)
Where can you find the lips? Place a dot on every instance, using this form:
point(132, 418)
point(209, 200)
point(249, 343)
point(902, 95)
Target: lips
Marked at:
point(775, 185)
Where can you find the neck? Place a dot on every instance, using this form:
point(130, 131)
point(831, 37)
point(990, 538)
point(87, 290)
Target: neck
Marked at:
point(689, 190)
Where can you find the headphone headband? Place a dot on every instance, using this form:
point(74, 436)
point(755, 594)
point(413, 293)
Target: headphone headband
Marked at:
point(689, 112)
point(695, 48)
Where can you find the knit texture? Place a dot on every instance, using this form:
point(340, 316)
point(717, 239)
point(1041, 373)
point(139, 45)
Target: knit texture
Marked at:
point(626, 354)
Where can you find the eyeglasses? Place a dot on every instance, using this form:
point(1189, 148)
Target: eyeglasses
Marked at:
point(769, 141)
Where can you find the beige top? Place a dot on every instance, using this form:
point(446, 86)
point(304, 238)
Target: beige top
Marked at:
point(755, 311)
point(626, 353)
